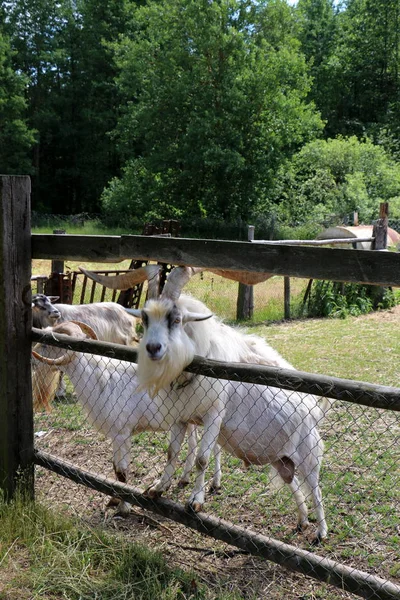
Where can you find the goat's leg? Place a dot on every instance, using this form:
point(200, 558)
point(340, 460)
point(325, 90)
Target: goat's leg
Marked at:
point(178, 431)
point(302, 522)
point(121, 458)
point(212, 426)
point(215, 485)
point(189, 463)
point(312, 480)
point(286, 469)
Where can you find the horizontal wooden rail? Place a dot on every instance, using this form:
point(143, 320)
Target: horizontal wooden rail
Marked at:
point(295, 559)
point(356, 392)
point(315, 242)
point(336, 264)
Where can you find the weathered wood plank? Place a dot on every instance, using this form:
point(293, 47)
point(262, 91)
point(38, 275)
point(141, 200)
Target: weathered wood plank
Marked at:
point(245, 299)
point(87, 248)
point(358, 266)
point(16, 417)
point(295, 559)
point(356, 392)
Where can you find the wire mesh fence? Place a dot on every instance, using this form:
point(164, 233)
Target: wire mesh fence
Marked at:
point(103, 425)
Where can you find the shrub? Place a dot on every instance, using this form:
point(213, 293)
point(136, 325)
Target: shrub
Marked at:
point(340, 300)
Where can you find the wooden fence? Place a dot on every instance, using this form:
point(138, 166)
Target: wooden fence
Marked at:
point(17, 453)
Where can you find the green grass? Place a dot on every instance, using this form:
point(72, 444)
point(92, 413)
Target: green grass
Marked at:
point(363, 348)
point(49, 556)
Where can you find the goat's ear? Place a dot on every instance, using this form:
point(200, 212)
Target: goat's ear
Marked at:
point(188, 317)
point(53, 298)
point(136, 312)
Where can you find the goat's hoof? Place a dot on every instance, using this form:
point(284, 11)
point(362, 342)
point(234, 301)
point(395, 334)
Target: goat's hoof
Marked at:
point(113, 502)
point(214, 489)
point(182, 483)
point(317, 540)
point(123, 509)
point(153, 493)
point(301, 527)
point(194, 506)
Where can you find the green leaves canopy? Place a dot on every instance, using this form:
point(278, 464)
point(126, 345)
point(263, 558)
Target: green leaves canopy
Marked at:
point(214, 99)
point(15, 136)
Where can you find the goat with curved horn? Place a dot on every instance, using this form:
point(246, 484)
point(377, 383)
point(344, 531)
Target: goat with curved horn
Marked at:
point(151, 273)
point(107, 390)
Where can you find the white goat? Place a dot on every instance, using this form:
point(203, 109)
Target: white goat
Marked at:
point(106, 389)
point(259, 424)
point(108, 319)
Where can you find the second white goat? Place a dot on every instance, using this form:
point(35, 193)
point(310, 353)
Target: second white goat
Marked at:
point(259, 424)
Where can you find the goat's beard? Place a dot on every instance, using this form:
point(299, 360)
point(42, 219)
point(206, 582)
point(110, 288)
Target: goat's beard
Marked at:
point(154, 375)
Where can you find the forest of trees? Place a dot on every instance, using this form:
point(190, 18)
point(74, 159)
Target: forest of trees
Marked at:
point(190, 109)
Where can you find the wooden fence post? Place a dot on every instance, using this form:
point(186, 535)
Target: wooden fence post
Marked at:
point(245, 300)
point(380, 228)
point(57, 266)
point(16, 413)
point(286, 296)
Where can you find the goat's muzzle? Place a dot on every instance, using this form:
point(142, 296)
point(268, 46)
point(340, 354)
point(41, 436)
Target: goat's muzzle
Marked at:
point(153, 351)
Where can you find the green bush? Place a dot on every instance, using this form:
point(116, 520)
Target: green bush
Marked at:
point(340, 300)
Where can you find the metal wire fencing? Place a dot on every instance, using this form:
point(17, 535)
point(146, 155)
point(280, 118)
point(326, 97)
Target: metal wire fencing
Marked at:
point(100, 426)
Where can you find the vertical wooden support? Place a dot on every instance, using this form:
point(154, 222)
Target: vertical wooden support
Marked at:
point(245, 299)
point(16, 414)
point(381, 227)
point(57, 266)
point(286, 298)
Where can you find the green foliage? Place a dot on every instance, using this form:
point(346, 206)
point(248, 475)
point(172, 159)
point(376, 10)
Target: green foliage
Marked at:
point(60, 48)
point(336, 177)
point(337, 300)
point(213, 99)
point(16, 137)
point(61, 558)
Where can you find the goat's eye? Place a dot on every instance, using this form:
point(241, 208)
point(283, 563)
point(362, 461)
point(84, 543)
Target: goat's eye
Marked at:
point(177, 320)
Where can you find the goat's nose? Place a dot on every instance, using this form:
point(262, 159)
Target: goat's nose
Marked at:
point(153, 349)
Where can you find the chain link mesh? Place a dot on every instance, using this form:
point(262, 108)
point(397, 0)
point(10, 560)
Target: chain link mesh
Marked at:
point(359, 478)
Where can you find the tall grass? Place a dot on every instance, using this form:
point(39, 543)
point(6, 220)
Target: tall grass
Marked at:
point(45, 555)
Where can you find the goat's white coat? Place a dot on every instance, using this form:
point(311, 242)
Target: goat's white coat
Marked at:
point(106, 389)
point(258, 424)
point(109, 320)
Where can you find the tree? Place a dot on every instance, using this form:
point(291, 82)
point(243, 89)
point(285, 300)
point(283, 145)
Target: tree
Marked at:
point(335, 177)
point(367, 55)
point(213, 99)
point(317, 22)
point(62, 49)
point(16, 137)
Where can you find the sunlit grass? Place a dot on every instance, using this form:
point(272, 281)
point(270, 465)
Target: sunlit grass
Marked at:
point(49, 556)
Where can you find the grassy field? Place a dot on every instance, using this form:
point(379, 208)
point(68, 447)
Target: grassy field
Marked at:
point(61, 558)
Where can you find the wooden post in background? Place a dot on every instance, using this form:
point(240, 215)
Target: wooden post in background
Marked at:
point(57, 266)
point(380, 228)
point(286, 296)
point(16, 413)
point(245, 300)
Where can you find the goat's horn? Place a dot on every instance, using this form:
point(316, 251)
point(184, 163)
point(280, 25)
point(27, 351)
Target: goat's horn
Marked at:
point(245, 277)
point(125, 280)
point(177, 279)
point(86, 329)
point(61, 360)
